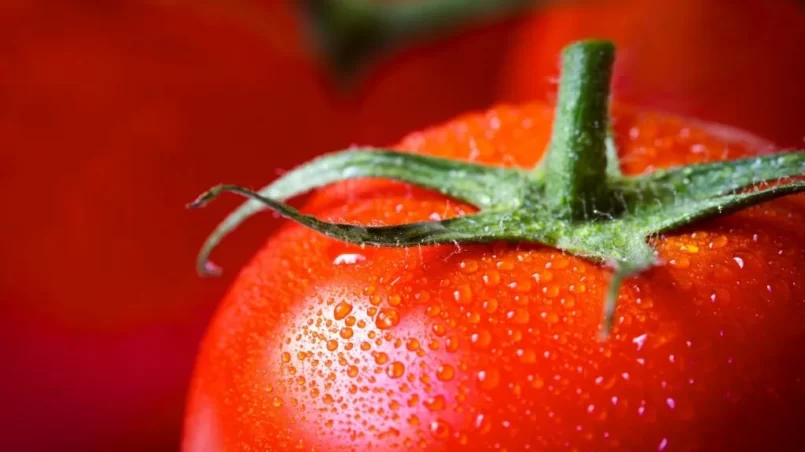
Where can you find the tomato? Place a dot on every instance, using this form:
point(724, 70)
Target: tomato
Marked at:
point(733, 62)
point(324, 345)
point(112, 116)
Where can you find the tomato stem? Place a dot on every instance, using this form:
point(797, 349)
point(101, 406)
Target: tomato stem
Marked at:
point(575, 166)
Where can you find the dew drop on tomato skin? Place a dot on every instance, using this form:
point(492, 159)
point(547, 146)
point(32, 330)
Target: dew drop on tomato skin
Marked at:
point(342, 310)
point(530, 367)
point(387, 318)
point(396, 369)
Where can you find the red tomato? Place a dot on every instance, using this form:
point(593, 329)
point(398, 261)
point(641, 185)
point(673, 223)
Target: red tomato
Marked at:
point(322, 345)
point(113, 116)
point(736, 62)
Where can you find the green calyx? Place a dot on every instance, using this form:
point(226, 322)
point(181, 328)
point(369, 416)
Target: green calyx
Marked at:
point(575, 200)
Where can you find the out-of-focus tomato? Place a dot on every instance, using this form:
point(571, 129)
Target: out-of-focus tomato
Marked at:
point(112, 116)
point(737, 62)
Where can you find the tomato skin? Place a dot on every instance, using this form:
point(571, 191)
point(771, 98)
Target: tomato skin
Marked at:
point(322, 345)
point(729, 61)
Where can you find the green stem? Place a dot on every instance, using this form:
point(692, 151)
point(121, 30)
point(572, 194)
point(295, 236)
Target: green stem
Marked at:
point(575, 164)
point(352, 32)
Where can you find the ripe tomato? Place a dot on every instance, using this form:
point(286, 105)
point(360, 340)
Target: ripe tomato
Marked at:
point(323, 345)
point(730, 61)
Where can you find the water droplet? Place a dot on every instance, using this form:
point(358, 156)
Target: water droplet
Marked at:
point(739, 261)
point(286, 357)
point(552, 318)
point(276, 402)
point(578, 288)
point(394, 300)
point(490, 305)
point(481, 339)
point(436, 403)
point(671, 403)
point(380, 357)
point(440, 429)
point(505, 264)
point(473, 317)
point(433, 310)
point(663, 444)
point(412, 344)
point(483, 424)
point(395, 370)
point(439, 329)
point(551, 290)
point(387, 318)
point(348, 259)
point(519, 316)
point(451, 343)
point(352, 371)
point(488, 379)
point(462, 294)
point(719, 242)
point(332, 344)
point(346, 332)
point(445, 372)
point(521, 286)
point(640, 341)
point(561, 262)
point(365, 346)
point(491, 278)
point(680, 262)
point(468, 266)
point(527, 355)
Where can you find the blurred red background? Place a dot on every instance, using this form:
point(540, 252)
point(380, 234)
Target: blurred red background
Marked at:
point(114, 114)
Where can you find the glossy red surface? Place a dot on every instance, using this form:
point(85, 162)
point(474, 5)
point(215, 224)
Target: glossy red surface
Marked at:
point(321, 345)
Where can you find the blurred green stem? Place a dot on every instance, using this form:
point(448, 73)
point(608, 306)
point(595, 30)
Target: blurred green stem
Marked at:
point(350, 33)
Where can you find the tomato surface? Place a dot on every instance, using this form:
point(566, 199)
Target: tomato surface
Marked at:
point(730, 61)
point(322, 345)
